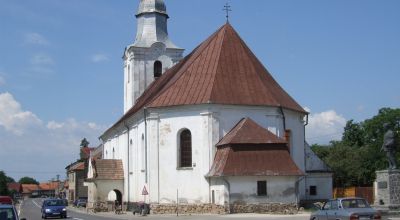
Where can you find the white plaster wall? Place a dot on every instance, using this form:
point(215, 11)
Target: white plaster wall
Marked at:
point(323, 181)
point(221, 190)
point(280, 189)
point(208, 124)
point(104, 187)
point(191, 183)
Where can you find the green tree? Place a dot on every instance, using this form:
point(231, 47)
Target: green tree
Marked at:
point(10, 179)
point(353, 134)
point(84, 143)
point(358, 155)
point(3, 184)
point(28, 180)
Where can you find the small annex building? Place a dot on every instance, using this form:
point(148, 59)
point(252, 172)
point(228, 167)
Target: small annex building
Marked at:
point(212, 131)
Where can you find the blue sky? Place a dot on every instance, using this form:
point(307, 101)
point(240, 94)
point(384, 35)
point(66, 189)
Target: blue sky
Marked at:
point(61, 68)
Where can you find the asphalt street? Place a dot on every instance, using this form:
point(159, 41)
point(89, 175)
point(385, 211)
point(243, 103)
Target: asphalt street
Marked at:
point(30, 209)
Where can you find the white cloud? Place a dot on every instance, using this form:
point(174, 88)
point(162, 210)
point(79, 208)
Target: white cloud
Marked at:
point(13, 118)
point(41, 59)
point(27, 142)
point(36, 39)
point(324, 127)
point(100, 57)
point(52, 125)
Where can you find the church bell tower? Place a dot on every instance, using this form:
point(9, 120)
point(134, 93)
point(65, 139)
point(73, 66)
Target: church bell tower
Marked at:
point(151, 54)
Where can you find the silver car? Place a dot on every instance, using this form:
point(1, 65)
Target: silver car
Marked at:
point(350, 208)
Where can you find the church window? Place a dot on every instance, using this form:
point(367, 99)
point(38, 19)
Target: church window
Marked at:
point(313, 190)
point(185, 149)
point(261, 188)
point(157, 69)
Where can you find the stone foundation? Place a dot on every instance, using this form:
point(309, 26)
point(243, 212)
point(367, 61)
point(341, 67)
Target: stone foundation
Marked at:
point(270, 208)
point(188, 209)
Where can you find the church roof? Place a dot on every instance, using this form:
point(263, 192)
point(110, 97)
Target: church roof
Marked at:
point(249, 132)
point(221, 70)
point(260, 154)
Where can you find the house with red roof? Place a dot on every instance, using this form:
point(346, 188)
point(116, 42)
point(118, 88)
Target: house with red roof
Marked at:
point(212, 128)
point(76, 173)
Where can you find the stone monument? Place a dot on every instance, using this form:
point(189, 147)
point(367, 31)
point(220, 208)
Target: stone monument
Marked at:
point(387, 184)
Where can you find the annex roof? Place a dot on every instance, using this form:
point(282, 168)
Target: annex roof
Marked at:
point(106, 169)
point(249, 132)
point(221, 70)
point(260, 154)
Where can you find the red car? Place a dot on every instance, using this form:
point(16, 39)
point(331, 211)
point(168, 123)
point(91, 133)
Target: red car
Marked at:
point(6, 200)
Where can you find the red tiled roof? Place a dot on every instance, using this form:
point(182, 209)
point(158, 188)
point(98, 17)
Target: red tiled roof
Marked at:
point(108, 169)
point(77, 166)
point(14, 186)
point(29, 188)
point(261, 156)
point(221, 70)
point(249, 132)
point(48, 186)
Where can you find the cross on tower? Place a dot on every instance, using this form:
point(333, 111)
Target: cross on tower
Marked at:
point(227, 9)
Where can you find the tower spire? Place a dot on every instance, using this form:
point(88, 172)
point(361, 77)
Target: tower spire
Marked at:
point(227, 9)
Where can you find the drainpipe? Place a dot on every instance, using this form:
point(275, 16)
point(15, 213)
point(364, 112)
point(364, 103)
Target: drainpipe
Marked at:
point(297, 190)
point(284, 119)
point(129, 173)
point(145, 142)
point(305, 157)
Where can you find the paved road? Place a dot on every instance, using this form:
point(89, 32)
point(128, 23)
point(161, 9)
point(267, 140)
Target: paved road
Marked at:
point(30, 209)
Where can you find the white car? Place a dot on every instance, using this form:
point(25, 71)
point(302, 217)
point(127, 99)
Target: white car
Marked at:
point(350, 208)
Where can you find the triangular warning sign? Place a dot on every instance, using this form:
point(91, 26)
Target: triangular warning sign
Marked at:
point(144, 191)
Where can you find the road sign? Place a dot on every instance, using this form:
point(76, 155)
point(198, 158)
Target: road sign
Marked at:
point(144, 191)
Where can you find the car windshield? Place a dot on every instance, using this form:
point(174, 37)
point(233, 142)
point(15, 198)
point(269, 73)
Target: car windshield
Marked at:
point(55, 203)
point(7, 214)
point(354, 203)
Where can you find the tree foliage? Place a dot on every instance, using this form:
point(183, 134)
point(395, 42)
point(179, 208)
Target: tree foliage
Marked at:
point(358, 155)
point(84, 143)
point(28, 180)
point(3, 184)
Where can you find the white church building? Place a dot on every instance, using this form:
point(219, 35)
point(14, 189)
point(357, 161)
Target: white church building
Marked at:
point(213, 127)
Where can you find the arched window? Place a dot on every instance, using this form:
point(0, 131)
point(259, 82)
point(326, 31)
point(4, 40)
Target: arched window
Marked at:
point(157, 69)
point(185, 149)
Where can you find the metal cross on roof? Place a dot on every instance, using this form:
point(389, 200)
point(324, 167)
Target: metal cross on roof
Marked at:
point(227, 9)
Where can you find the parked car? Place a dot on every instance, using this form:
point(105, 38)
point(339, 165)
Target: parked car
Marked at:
point(8, 211)
point(54, 208)
point(351, 208)
point(80, 202)
point(6, 200)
